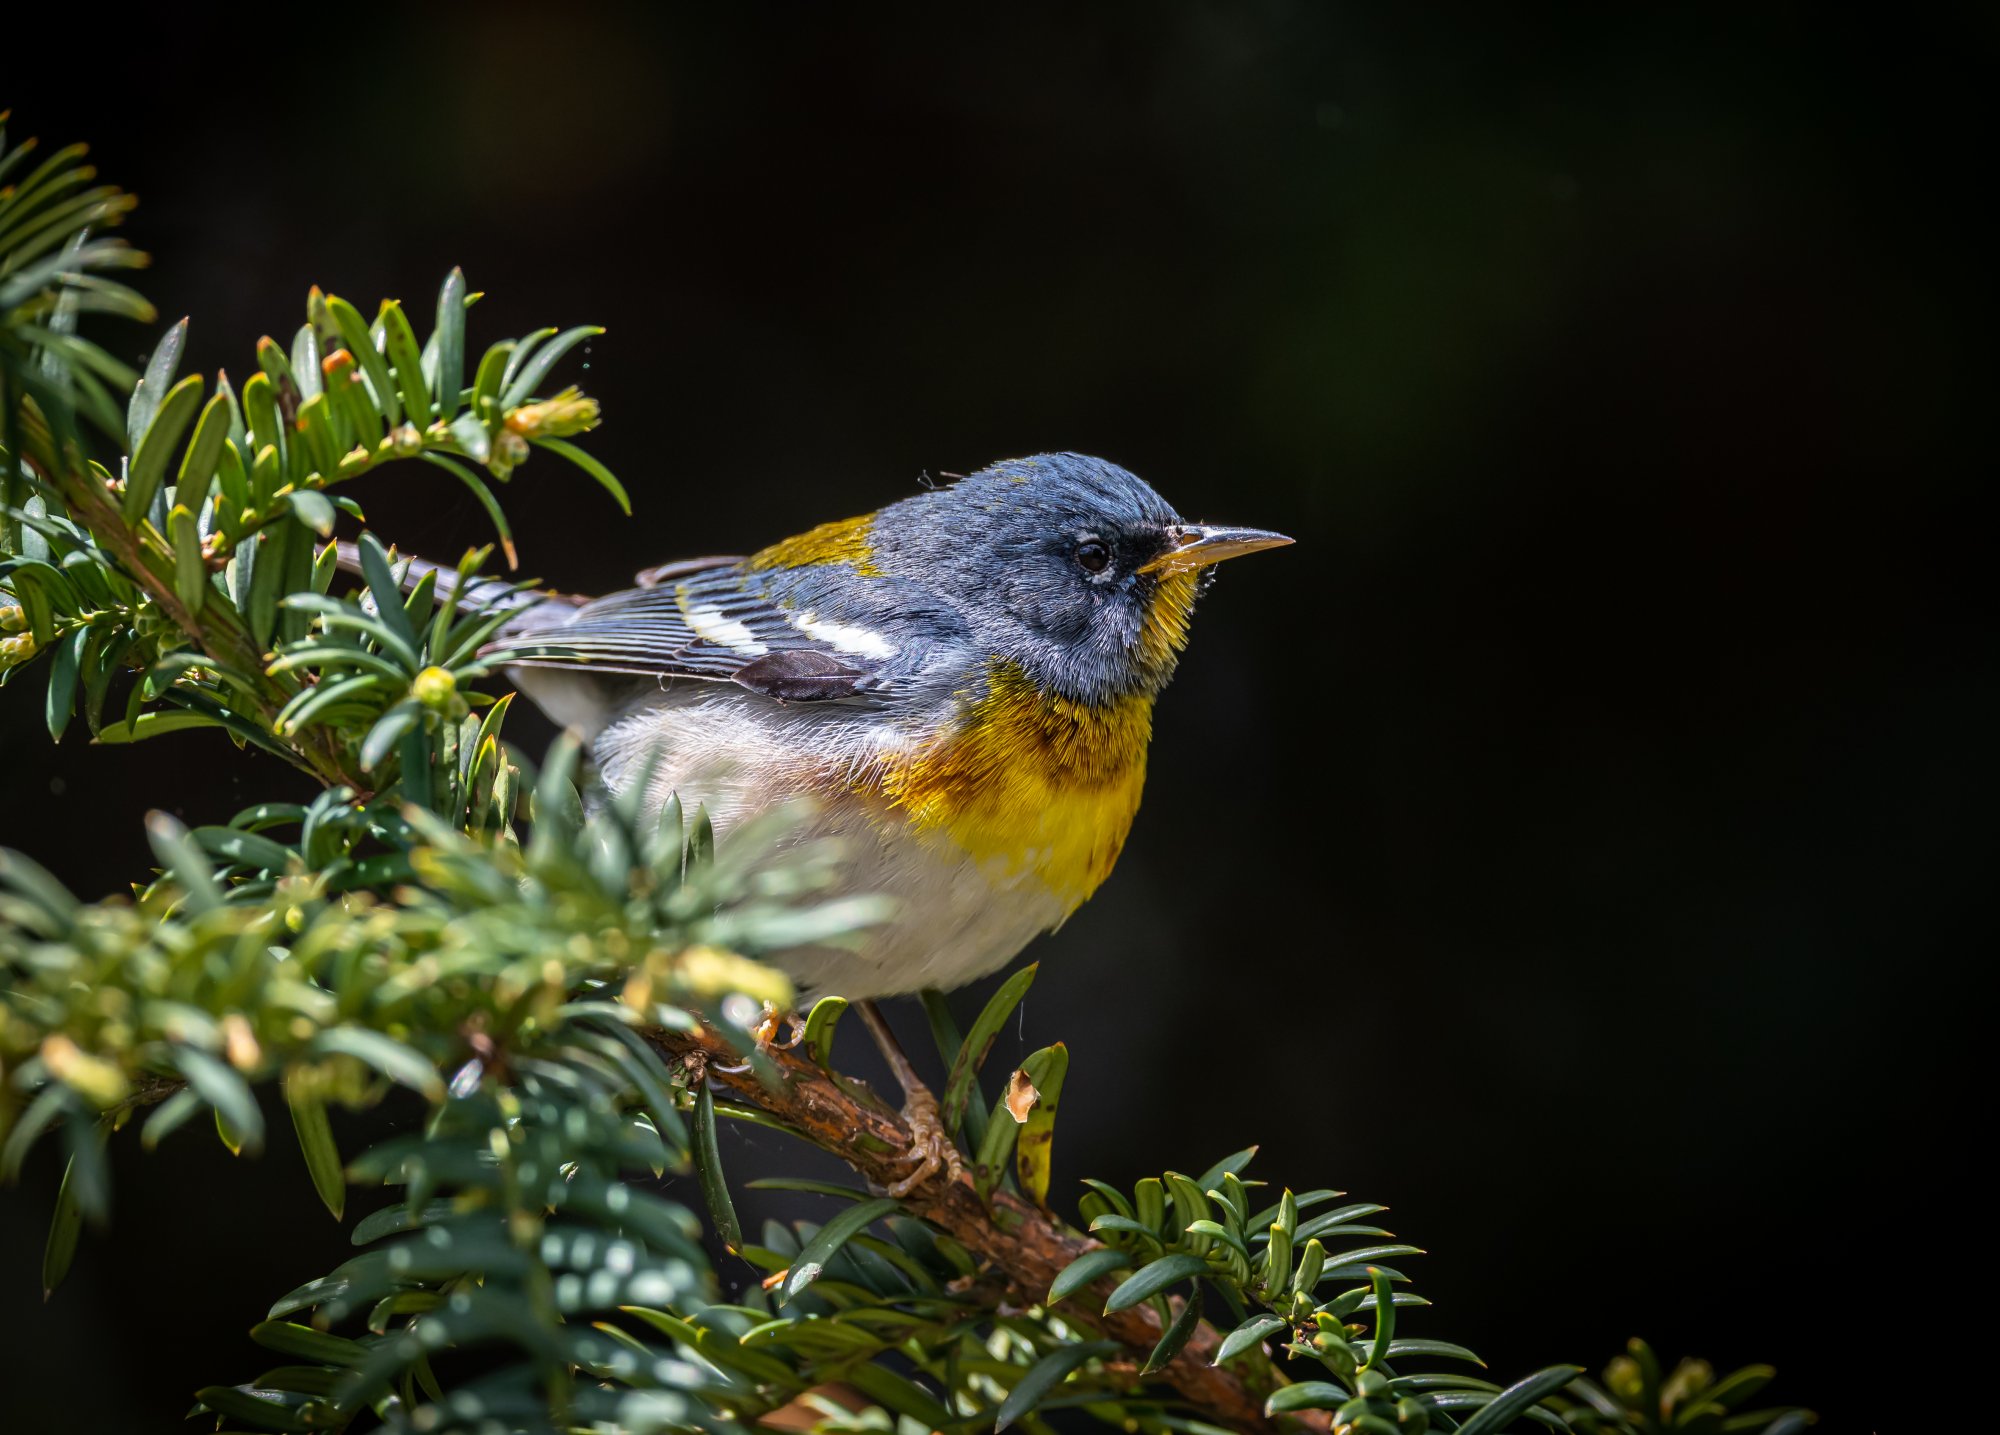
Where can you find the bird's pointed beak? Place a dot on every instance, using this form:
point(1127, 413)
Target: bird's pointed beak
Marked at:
point(1196, 545)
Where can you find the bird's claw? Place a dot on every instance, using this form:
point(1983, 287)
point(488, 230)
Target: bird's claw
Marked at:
point(766, 1031)
point(931, 1148)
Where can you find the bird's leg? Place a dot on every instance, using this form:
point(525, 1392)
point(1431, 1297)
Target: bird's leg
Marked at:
point(931, 1146)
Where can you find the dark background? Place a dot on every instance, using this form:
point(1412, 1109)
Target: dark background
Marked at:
point(1565, 843)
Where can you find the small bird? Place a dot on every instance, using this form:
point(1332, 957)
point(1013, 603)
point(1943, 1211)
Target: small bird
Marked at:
point(962, 683)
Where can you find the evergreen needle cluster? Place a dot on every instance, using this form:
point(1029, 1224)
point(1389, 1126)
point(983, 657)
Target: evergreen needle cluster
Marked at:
point(567, 994)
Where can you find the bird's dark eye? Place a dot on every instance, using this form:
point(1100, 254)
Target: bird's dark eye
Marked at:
point(1093, 555)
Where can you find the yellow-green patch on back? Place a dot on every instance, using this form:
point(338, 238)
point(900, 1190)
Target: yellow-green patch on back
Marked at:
point(846, 540)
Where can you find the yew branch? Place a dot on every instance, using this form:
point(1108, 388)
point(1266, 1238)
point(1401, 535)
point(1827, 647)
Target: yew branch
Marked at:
point(1023, 1246)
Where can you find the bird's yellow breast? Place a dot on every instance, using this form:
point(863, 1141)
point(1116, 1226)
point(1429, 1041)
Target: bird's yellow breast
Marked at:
point(1030, 782)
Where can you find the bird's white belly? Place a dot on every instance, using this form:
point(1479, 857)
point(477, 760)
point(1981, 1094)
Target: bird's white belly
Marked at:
point(955, 918)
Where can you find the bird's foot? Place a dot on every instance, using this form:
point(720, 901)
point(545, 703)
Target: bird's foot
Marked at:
point(931, 1148)
point(766, 1030)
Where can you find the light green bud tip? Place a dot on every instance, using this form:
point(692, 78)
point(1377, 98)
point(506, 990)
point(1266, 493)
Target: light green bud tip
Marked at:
point(435, 688)
point(16, 649)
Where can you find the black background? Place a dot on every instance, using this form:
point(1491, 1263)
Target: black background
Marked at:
point(1565, 843)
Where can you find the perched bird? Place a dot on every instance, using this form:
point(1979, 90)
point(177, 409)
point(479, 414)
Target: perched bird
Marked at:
point(963, 682)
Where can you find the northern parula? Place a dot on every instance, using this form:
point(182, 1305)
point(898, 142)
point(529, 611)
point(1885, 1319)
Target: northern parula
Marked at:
point(963, 682)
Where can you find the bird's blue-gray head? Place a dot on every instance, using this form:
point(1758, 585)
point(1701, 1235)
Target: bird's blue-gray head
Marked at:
point(1066, 565)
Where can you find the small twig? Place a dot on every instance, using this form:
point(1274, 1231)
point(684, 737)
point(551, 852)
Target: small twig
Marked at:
point(317, 751)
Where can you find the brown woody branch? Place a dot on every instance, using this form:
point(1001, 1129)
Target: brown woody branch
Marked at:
point(1024, 1247)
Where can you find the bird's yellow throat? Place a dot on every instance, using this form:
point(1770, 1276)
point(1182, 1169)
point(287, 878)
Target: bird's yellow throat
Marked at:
point(1031, 782)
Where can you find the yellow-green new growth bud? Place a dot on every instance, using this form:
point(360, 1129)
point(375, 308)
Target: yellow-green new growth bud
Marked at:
point(569, 412)
point(407, 441)
point(12, 619)
point(91, 1077)
point(1624, 1378)
point(16, 650)
point(435, 688)
point(1688, 1380)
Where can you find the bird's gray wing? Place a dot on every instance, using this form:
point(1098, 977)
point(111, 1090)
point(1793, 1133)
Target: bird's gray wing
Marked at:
point(717, 622)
